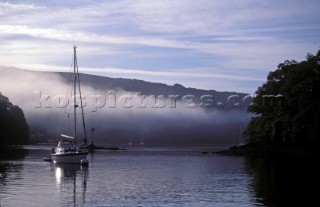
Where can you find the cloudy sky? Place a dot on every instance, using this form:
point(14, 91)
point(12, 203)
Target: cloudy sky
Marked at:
point(210, 44)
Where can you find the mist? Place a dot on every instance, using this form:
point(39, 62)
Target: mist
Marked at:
point(119, 120)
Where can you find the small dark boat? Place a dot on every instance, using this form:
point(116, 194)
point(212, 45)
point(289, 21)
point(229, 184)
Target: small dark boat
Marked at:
point(47, 159)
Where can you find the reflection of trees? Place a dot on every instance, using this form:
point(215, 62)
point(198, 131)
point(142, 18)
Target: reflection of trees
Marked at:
point(12, 152)
point(284, 182)
point(71, 181)
point(7, 155)
point(5, 169)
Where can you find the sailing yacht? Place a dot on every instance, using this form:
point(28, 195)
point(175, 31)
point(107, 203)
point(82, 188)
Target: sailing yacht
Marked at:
point(130, 142)
point(142, 139)
point(68, 151)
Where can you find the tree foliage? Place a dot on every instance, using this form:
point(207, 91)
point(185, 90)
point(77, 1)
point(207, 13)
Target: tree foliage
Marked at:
point(13, 126)
point(287, 105)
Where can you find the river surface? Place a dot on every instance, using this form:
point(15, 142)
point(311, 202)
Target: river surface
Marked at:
point(156, 177)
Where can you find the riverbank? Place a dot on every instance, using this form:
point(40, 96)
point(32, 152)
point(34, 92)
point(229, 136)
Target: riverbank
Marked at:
point(93, 147)
point(251, 150)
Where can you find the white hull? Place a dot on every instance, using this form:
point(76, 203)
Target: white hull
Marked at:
point(68, 158)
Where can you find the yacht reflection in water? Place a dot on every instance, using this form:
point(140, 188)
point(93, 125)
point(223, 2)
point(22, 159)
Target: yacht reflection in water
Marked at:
point(71, 181)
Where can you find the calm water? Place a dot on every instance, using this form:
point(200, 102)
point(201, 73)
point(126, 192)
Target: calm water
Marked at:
point(155, 177)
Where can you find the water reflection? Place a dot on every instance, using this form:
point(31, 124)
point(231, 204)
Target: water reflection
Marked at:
point(8, 157)
point(5, 169)
point(12, 153)
point(71, 182)
point(284, 182)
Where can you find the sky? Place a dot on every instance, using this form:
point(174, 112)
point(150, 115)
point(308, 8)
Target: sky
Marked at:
point(208, 44)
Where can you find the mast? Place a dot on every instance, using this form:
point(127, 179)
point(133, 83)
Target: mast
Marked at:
point(142, 142)
point(75, 91)
point(77, 80)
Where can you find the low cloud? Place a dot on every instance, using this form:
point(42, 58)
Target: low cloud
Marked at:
point(170, 126)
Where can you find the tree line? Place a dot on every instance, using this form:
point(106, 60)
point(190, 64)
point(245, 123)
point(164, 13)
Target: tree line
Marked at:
point(286, 107)
point(14, 129)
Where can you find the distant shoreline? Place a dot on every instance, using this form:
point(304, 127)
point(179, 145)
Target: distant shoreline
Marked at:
point(266, 151)
point(94, 147)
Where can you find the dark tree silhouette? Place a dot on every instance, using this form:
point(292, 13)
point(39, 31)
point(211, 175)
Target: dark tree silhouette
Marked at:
point(13, 126)
point(287, 105)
